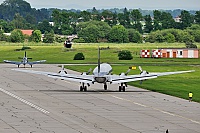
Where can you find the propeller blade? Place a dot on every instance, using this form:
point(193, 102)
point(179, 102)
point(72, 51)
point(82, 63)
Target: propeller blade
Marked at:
point(29, 58)
point(88, 72)
point(127, 71)
point(63, 67)
point(25, 54)
point(20, 58)
point(140, 68)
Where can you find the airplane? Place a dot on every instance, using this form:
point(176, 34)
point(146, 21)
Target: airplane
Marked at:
point(24, 61)
point(102, 74)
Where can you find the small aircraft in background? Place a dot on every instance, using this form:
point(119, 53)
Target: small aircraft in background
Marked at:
point(25, 60)
point(102, 74)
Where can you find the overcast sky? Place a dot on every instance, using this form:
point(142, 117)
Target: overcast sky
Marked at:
point(107, 4)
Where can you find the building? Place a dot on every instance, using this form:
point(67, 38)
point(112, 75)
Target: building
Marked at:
point(170, 53)
point(27, 32)
point(145, 53)
point(179, 53)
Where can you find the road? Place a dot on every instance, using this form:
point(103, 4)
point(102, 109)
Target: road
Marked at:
point(31, 103)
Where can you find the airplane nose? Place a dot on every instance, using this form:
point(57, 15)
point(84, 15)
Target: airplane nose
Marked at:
point(100, 79)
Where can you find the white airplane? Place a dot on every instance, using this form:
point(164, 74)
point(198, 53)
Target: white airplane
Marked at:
point(102, 74)
point(24, 61)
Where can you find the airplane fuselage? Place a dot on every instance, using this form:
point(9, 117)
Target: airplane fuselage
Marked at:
point(100, 73)
point(25, 61)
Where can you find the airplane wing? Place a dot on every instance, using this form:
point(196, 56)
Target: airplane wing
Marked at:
point(116, 79)
point(170, 73)
point(12, 62)
point(36, 62)
point(70, 77)
point(123, 79)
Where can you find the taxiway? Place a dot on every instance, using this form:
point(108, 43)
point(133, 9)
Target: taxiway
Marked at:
point(31, 103)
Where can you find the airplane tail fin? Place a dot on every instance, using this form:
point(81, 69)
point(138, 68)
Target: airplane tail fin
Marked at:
point(99, 60)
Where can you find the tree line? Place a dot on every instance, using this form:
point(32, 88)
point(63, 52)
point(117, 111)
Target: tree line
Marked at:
point(98, 25)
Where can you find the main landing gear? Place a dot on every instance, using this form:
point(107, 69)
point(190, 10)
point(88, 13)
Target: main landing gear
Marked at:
point(122, 88)
point(83, 87)
point(105, 87)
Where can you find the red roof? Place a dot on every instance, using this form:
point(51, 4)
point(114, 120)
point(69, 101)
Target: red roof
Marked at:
point(27, 32)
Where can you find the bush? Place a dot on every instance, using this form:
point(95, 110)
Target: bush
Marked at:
point(169, 38)
point(125, 55)
point(190, 45)
point(79, 56)
point(16, 36)
point(48, 37)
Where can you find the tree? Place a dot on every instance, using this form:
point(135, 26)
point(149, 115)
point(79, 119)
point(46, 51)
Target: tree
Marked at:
point(6, 26)
point(19, 22)
point(36, 36)
point(44, 26)
point(118, 34)
point(85, 16)
point(197, 17)
point(157, 20)
point(134, 36)
point(186, 19)
point(16, 36)
point(148, 24)
point(167, 21)
point(169, 38)
point(184, 36)
point(93, 31)
point(48, 37)
point(124, 18)
point(110, 18)
point(136, 17)
point(9, 8)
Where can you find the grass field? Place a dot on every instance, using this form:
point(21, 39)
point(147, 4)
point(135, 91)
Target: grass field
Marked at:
point(177, 85)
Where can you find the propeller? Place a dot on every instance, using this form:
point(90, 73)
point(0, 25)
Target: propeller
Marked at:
point(62, 71)
point(126, 73)
point(143, 72)
point(87, 73)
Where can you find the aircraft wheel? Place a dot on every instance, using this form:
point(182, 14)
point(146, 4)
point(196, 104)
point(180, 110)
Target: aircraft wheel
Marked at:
point(120, 89)
point(105, 87)
point(81, 88)
point(85, 88)
point(124, 89)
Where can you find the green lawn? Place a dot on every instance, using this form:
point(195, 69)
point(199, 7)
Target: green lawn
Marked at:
point(177, 85)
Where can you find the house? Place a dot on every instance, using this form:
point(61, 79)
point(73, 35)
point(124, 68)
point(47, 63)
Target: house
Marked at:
point(27, 32)
point(179, 53)
point(170, 53)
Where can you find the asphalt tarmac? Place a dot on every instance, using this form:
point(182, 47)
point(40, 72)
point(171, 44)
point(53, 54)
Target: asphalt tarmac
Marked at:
point(31, 103)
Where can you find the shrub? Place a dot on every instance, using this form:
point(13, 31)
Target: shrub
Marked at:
point(125, 55)
point(16, 36)
point(190, 45)
point(79, 56)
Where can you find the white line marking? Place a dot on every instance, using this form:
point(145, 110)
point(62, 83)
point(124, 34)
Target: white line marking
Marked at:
point(24, 101)
point(164, 112)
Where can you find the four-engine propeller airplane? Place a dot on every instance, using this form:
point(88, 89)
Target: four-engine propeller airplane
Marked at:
point(24, 61)
point(102, 74)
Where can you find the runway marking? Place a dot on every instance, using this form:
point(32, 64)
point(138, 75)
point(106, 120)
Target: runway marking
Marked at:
point(24, 101)
point(162, 111)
